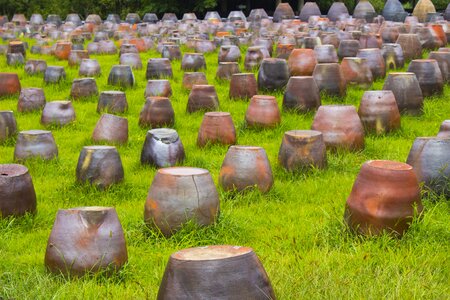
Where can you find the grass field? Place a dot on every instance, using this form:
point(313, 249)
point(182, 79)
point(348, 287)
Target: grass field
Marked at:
point(296, 229)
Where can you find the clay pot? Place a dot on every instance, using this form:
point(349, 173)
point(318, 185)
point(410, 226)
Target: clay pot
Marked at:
point(54, 19)
point(273, 74)
point(384, 197)
point(193, 78)
point(393, 56)
point(308, 10)
point(302, 94)
point(443, 60)
point(89, 68)
point(107, 47)
point(429, 76)
point(131, 59)
point(171, 51)
point(243, 86)
point(393, 11)
point(263, 111)
point(74, 18)
point(229, 53)
point(444, 130)
point(9, 84)
point(112, 129)
point(58, 113)
point(86, 240)
point(193, 62)
point(150, 18)
point(364, 10)
point(17, 195)
point(447, 13)
point(8, 125)
point(127, 48)
point(329, 78)
point(100, 166)
point(348, 48)
point(226, 70)
point(379, 112)
point(216, 127)
point(375, 61)
point(15, 59)
point(410, 43)
point(54, 74)
point(62, 50)
point(245, 167)
point(439, 34)
point(283, 12)
point(202, 97)
point(426, 38)
point(75, 57)
point(422, 9)
point(326, 53)
point(93, 19)
point(284, 50)
point(356, 71)
point(33, 66)
point(17, 47)
point(121, 75)
point(158, 87)
point(35, 143)
point(407, 92)
point(301, 150)
point(83, 87)
point(31, 99)
point(162, 148)
point(112, 102)
point(389, 34)
point(157, 112)
point(253, 58)
point(340, 126)
point(159, 68)
point(337, 11)
point(301, 62)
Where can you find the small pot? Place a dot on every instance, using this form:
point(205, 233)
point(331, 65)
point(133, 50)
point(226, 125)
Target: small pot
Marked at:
point(407, 92)
point(35, 66)
point(263, 111)
point(193, 62)
point(111, 129)
point(283, 12)
point(375, 61)
point(357, 72)
point(193, 78)
point(83, 88)
point(410, 43)
point(121, 75)
point(308, 10)
point(302, 94)
point(131, 59)
point(273, 74)
point(112, 102)
point(226, 70)
point(162, 148)
point(393, 56)
point(62, 50)
point(157, 112)
point(8, 125)
point(89, 68)
point(337, 11)
point(35, 143)
point(254, 57)
point(429, 76)
point(76, 56)
point(158, 87)
point(17, 47)
point(326, 54)
point(159, 68)
point(15, 59)
point(58, 113)
point(422, 9)
point(171, 51)
point(229, 53)
point(127, 48)
point(284, 50)
point(302, 62)
point(54, 74)
point(202, 97)
point(348, 48)
point(329, 78)
point(216, 127)
point(31, 99)
point(107, 47)
point(9, 84)
point(243, 86)
point(443, 60)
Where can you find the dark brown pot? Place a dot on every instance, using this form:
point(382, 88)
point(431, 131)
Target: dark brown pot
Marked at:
point(329, 78)
point(348, 48)
point(243, 86)
point(375, 61)
point(8, 125)
point(226, 70)
point(229, 53)
point(444, 129)
point(253, 58)
point(121, 75)
point(202, 97)
point(263, 111)
point(379, 112)
point(429, 76)
point(159, 68)
point(157, 112)
point(301, 94)
point(76, 56)
point(112, 102)
point(83, 88)
point(393, 56)
point(443, 60)
point(171, 51)
point(193, 272)
point(356, 71)
point(340, 126)
point(193, 78)
point(326, 54)
point(302, 62)
point(31, 99)
point(35, 66)
point(17, 195)
point(54, 74)
point(89, 68)
point(384, 197)
point(35, 143)
point(58, 113)
point(100, 166)
point(302, 149)
point(193, 62)
point(131, 59)
point(162, 148)
point(283, 12)
point(410, 43)
point(273, 74)
point(86, 240)
point(216, 127)
point(407, 92)
point(17, 47)
point(111, 129)
point(9, 84)
point(245, 167)
point(158, 87)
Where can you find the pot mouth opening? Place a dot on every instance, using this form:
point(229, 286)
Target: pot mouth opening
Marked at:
point(389, 165)
point(211, 253)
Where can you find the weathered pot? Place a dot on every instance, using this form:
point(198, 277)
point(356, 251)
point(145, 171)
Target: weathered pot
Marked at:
point(54, 19)
point(193, 62)
point(229, 53)
point(86, 240)
point(443, 60)
point(112, 129)
point(193, 78)
point(429, 76)
point(74, 18)
point(121, 75)
point(107, 47)
point(158, 87)
point(410, 43)
point(17, 47)
point(89, 68)
point(284, 50)
point(34, 66)
point(131, 59)
point(243, 86)
point(246, 167)
point(356, 71)
point(337, 11)
point(253, 58)
point(389, 34)
point(54, 74)
point(422, 9)
point(283, 12)
point(76, 56)
point(127, 48)
point(226, 70)
point(384, 197)
point(62, 50)
point(302, 62)
point(31, 99)
point(301, 150)
point(326, 53)
point(427, 40)
point(112, 102)
point(308, 10)
point(393, 11)
point(393, 56)
point(444, 129)
point(263, 111)
point(8, 125)
point(273, 74)
point(15, 59)
point(35, 143)
point(202, 97)
point(348, 48)
point(157, 112)
point(159, 68)
point(9, 84)
point(364, 10)
point(83, 87)
point(375, 61)
point(439, 34)
point(216, 127)
point(379, 112)
point(171, 51)
point(341, 127)
point(162, 148)
point(302, 94)
point(58, 113)
point(329, 78)
point(17, 195)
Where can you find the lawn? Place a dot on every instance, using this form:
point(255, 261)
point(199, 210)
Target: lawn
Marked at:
point(296, 229)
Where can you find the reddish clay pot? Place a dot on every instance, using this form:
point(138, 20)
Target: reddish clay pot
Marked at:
point(162, 148)
point(410, 43)
point(192, 272)
point(31, 99)
point(262, 111)
point(426, 38)
point(131, 59)
point(443, 60)
point(83, 88)
point(202, 97)
point(100, 166)
point(273, 74)
point(379, 112)
point(76, 56)
point(193, 78)
point(429, 76)
point(253, 58)
point(283, 12)
point(243, 86)
point(121, 75)
point(302, 94)
point(439, 34)
point(393, 56)
point(89, 68)
point(193, 62)
point(229, 53)
point(62, 50)
point(301, 150)
point(159, 68)
point(384, 197)
point(157, 112)
point(284, 50)
point(375, 61)
point(302, 62)
point(111, 129)
point(246, 167)
point(329, 78)
point(444, 129)
point(158, 87)
point(54, 74)
point(9, 84)
point(407, 92)
point(226, 70)
point(34, 66)
point(17, 47)
point(340, 126)
point(17, 195)
point(86, 240)
point(326, 54)
point(35, 143)
point(348, 48)
point(8, 125)
point(58, 113)
point(356, 71)
point(112, 102)
point(216, 127)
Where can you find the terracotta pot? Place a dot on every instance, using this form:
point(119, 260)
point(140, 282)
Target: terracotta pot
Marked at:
point(157, 112)
point(379, 112)
point(356, 71)
point(253, 58)
point(246, 167)
point(407, 92)
point(202, 97)
point(76, 56)
point(121, 75)
point(411, 46)
point(375, 61)
point(62, 50)
point(263, 111)
point(429, 76)
point(340, 126)
point(17, 47)
point(112, 129)
point(86, 240)
point(301, 62)
point(283, 12)
point(89, 68)
point(243, 86)
point(100, 166)
point(158, 87)
point(393, 56)
point(15, 59)
point(17, 195)
point(439, 34)
point(58, 113)
point(422, 9)
point(329, 78)
point(301, 94)
point(193, 62)
point(226, 70)
point(326, 53)
point(443, 60)
point(308, 10)
point(162, 148)
point(8, 125)
point(393, 11)
point(384, 197)
point(54, 74)
point(273, 74)
point(33, 66)
point(229, 53)
point(348, 48)
point(337, 11)
point(444, 130)
point(284, 50)
point(159, 68)
point(364, 10)
point(426, 38)
point(112, 102)
point(193, 78)
point(389, 34)
point(83, 88)
point(131, 59)
point(171, 51)
point(31, 99)
point(9, 84)
point(302, 149)
point(216, 127)
point(35, 143)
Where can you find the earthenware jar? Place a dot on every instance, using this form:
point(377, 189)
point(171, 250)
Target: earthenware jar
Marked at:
point(157, 112)
point(121, 75)
point(74, 18)
point(444, 129)
point(35, 143)
point(193, 62)
point(326, 54)
point(47, 50)
point(329, 78)
point(422, 9)
point(158, 87)
point(301, 62)
point(9, 84)
point(193, 78)
point(17, 195)
point(429, 76)
point(243, 86)
point(263, 111)
point(411, 46)
point(384, 197)
point(216, 127)
point(8, 125)
point(58, 113)
point(54, 74)
point(89, 68)
point(302, 94)
point(202, 97)
point(112, 102)
point(375, 61)
point(245, 167)
point(171, 51)
point(394, 11)
point(15, 59)
point(379, 112)
point(284, 50)
point(54, 19)
point(83, 87)
point(34, 66)
point(226, 70)
point(150, 18)
point(17, 47)
point(111, 129)
point(75, 57)
point(86, 240)
point(100, 166)
point(62, 50)
point(127, 48)
point(162, 148)
point(427, 40)
point(253, 58)
point(159, 68)
point(301, 150)
point(341, 127)
point(273, 74)
point(348, 48)
point(356, 71)
point(407, 92)
point(131, 59)
point(443, 60)
point(364, 10)
point(337, 11)
point(389, 34)
point(229, 53)
point(393, 56)
point(439, 34)
point(308, 10)
point(31, 99)
point(283, 12)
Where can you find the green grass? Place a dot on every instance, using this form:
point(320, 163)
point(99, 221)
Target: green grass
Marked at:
point(296, 229)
